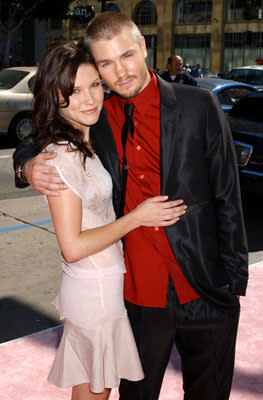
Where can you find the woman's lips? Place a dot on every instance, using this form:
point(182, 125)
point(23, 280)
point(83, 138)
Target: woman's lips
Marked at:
point(91, 111)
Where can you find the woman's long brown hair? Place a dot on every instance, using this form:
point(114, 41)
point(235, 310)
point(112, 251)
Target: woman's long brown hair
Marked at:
point(56, 74)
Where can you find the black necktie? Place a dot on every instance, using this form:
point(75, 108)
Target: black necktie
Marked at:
point(127, 126)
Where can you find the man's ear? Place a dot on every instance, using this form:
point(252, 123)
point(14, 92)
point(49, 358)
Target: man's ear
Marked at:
point(144, 49)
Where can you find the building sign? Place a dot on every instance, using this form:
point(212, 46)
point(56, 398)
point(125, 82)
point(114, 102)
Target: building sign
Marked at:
point(83, 13)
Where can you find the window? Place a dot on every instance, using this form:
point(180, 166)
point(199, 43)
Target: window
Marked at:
point(194, 49)
point(31, 83)
point(249, 109)
point(232, 95)
point(150, 41)
point(243, 10)
point(242, 49)
point(193, 11)
point(112, 7)
point(9, 78)
point(247, 75)
point(239, 75)
point(146, 14)
point(255, 77)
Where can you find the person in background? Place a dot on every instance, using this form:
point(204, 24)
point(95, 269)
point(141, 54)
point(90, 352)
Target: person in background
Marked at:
point(197, 71)
point(187, 68)
point(175, 72)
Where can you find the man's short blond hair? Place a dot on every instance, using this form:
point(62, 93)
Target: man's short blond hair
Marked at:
point(109, 24)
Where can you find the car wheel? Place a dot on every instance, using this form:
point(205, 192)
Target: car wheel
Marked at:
point(20, 127)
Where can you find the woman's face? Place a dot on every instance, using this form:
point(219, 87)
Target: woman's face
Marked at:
point(86, 101)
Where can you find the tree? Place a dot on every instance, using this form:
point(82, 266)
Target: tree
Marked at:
point(14, 13)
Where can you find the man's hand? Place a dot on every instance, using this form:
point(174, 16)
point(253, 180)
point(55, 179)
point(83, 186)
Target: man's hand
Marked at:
point(41, 177)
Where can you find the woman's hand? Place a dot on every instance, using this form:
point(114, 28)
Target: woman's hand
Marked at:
point(156, 211)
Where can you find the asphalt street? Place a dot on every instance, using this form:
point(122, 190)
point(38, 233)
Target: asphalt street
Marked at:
point(30, 259)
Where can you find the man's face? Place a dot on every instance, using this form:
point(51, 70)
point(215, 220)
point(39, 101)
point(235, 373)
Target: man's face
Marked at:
point(121, 63)
point(176, 66)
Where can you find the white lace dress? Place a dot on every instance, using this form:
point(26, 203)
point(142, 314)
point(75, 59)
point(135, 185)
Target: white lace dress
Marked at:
point(97, 345)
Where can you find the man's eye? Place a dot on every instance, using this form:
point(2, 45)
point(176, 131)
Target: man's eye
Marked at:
point(105, 64)
point(128, 55)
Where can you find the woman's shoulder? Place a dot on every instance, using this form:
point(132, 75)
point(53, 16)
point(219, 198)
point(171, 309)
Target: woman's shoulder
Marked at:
point(65, 152)
point(61, 147)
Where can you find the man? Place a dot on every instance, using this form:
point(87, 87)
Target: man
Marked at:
point(197, 72)
point(187, 68)
point(182, 283)
point(175, 72)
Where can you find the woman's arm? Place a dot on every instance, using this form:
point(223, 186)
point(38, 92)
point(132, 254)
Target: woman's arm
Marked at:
point(66, 211)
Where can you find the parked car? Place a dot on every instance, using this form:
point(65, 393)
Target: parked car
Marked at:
point(15, 101)
point(207, 73)
point(252, 75)
point(246, 123)
point(228, 92)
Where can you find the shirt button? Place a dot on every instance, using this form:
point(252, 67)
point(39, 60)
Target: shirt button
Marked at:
point(141, 176)
point(156, 228)
point(138, 147)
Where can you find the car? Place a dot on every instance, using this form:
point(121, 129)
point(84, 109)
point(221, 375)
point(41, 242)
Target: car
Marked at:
point(15, 101)
point(252, 75)
point(246, 123)
point(207, 73)
point(228, 92)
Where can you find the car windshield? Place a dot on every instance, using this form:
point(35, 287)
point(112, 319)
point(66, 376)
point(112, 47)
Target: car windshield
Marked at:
point(251, 76)
point(9, 78)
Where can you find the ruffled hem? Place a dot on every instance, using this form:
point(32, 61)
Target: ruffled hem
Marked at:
point(99, 355)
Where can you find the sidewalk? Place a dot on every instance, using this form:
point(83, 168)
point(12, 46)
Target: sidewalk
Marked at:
point(25, 362)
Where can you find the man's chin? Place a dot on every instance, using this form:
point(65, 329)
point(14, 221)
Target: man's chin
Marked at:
point(128, 93)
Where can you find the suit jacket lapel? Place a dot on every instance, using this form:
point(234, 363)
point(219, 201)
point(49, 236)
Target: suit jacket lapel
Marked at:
point(168, 124)
point(106, 149)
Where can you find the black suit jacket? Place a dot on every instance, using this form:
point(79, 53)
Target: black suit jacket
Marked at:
point(184, 77)
point(197, 164)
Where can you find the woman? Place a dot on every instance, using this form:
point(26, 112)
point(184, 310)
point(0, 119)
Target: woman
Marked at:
point(97, 347)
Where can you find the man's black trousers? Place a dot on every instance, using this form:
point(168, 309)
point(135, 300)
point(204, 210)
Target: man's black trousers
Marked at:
point(205, 338)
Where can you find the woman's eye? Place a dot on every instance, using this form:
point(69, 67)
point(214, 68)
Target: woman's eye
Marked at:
point(75, 91)
point(96, 84)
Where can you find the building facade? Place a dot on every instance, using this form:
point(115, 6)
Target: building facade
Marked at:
point(218, 34)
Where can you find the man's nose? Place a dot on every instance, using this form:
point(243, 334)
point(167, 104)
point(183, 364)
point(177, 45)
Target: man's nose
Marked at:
point(119, 69)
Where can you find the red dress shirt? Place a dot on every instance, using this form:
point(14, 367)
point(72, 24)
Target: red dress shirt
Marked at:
point(148, 256)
